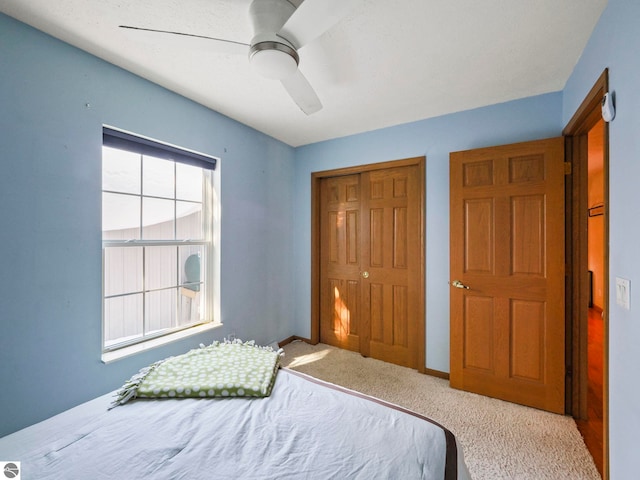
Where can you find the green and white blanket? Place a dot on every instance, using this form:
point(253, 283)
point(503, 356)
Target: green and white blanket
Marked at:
point(222, 369)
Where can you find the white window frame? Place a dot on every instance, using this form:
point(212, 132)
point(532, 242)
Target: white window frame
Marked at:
point(210, 242)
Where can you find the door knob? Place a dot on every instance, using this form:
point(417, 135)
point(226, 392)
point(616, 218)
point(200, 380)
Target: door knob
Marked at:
point(459, 284)
point(365, 274)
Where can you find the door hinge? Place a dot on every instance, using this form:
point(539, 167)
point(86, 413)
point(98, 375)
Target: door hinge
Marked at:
point(567, 168)
point(569, 371)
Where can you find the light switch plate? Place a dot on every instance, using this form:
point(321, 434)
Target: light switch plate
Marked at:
point(622, 292)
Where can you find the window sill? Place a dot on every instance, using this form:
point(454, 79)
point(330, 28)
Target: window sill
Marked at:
point(109, 357)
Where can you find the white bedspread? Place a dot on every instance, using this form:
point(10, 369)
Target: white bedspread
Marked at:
point(304, 430)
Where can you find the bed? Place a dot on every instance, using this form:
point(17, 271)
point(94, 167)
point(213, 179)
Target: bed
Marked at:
point(305, 429)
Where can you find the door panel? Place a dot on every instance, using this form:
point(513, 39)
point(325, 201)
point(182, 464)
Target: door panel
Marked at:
point(479, 218)
point(527, 340)
point(507, 246)
point(478, 333)
point(528, 222)
point(340, 260)
point(391, 235)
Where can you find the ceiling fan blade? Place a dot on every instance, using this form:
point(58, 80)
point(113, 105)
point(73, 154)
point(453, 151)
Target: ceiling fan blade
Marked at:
point(313, 18)
point(301, 91)
point(219, 45)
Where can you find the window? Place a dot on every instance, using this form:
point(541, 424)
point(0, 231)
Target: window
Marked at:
point(157, 232)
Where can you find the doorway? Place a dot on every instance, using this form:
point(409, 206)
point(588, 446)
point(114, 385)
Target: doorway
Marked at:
point(591, 427)
point(587, 144)
point(368, 260)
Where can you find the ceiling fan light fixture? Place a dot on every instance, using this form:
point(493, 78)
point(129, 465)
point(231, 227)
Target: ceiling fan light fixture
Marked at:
point(274, 60)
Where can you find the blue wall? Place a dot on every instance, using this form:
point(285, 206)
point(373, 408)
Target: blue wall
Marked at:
point(527, 119)
point(50, 226)
point(615, 44)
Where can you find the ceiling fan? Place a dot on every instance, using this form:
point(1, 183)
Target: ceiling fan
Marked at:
point(281, 28)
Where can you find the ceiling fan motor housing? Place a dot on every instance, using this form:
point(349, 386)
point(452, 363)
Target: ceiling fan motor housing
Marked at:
point(271, 55)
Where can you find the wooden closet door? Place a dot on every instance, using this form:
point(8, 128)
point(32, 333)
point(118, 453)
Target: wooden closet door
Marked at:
point(340, 252)
point(391, 268)
point(372, 263)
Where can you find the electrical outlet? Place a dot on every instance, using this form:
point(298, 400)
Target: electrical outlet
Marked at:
point(622, 292)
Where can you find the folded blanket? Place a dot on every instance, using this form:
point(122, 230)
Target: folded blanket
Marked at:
point(222, 369)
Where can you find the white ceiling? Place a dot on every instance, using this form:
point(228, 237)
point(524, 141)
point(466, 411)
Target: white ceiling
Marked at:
point(386, 63)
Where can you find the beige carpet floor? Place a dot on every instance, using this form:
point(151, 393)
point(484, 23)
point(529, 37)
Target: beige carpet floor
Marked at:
point(500, 440)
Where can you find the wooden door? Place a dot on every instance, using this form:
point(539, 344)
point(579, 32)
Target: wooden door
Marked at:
point(391, 221)
point(340, 230)
point(372, 263)
point(507, 247)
